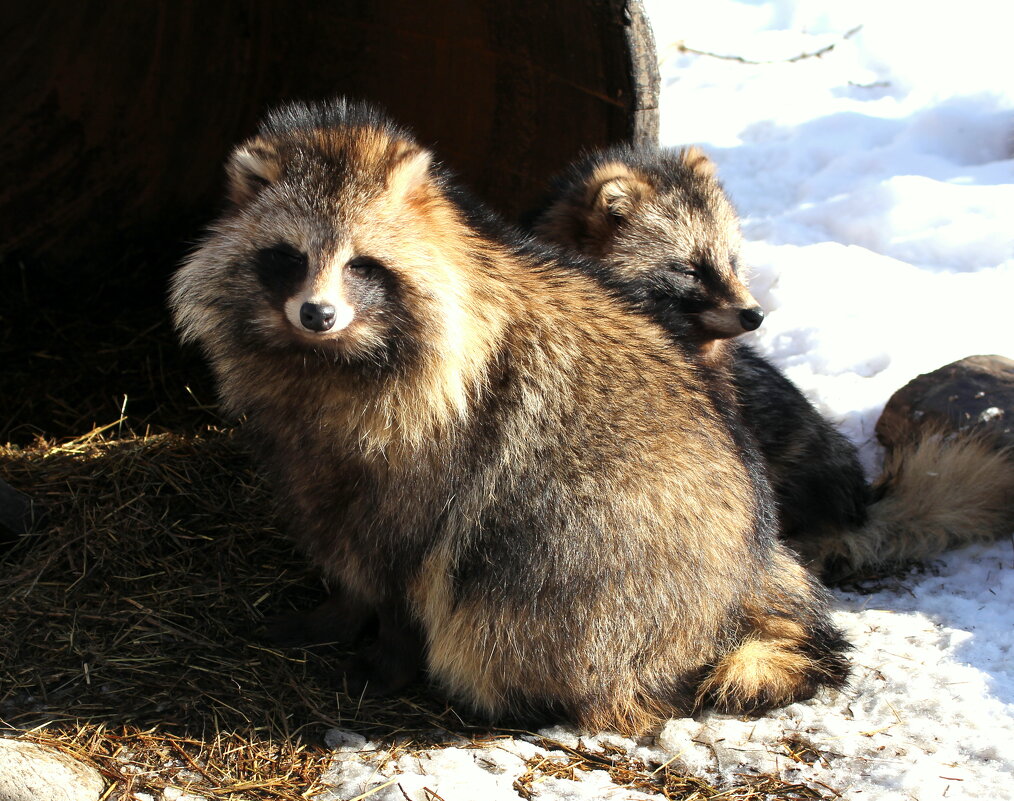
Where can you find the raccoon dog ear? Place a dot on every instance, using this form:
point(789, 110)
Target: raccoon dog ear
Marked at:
point(252, 166)
point(409, 170)
point(615, 192)
point(696, 160)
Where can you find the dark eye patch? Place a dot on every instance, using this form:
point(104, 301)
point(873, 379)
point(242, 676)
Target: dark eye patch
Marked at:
point(365, 266)
point(368, 283)
point(280, 268)
point(684, 269)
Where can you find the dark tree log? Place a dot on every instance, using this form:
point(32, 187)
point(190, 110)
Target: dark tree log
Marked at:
point(118, 115)
point(974, 393)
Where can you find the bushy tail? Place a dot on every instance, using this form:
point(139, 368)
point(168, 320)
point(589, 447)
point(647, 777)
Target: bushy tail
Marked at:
point(938, 492)
point(790, 647)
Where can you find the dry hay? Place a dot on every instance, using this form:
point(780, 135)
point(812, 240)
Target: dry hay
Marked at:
point(130, 615)
point(666, 779)
point(130, 611)
point(77, 354)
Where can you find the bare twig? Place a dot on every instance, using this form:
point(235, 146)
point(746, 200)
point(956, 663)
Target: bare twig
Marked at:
point(682, 47)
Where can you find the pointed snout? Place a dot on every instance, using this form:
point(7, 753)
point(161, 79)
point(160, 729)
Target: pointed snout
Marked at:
point(751, 319)
point(731, 321)
point(320, 307)
point(317, 317)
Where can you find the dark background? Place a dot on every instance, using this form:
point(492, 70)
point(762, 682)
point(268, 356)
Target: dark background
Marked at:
point(118, 116)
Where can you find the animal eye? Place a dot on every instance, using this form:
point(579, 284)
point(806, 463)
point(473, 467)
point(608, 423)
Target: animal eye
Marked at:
point(684, 269)
point(281, 258)
point(283, 254)
point(364, 265)
point(280, 267)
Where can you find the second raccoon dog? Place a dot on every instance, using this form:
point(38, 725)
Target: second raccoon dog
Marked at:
point(465, 428)
point(664, 234)
point(665, 237)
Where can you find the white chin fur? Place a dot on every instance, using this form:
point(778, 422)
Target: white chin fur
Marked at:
point(344, 315)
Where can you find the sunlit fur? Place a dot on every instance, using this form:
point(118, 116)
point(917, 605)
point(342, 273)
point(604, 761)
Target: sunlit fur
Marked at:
point(650, 216)
point(647, 215)
point(497, 444)
point(663, 225)
point(936, 492)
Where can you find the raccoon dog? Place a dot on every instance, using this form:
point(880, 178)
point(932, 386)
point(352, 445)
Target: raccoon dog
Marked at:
point(665, 236)
point(468, 430)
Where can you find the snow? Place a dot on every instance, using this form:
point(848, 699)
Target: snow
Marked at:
point(875, 183)
point(876, 188)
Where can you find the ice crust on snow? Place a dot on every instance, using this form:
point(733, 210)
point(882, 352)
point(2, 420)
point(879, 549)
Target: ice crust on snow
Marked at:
point(876, 188)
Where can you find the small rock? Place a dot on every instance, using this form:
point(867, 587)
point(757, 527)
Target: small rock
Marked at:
point(340, 740)
point(974, 393)
point(30, 772)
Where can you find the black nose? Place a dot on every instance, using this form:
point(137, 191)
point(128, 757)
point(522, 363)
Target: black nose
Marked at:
point(751, 319)
point(316, 316)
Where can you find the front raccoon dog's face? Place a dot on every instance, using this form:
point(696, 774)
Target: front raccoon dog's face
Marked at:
point(663, 225)
point(305, 260)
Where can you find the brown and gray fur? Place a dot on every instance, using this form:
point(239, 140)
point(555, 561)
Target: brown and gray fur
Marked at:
point(663, 234)
point(490, 444)
point(939, 491)
point(665, 237)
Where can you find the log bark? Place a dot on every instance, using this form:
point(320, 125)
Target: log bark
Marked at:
point(975, 393)
point(118, 116)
